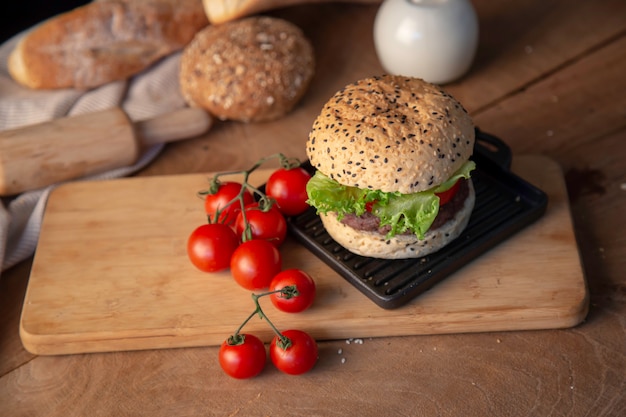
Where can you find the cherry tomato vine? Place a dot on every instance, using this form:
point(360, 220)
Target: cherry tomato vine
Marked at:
point(292, 351)
point(252, 215)
point(244, 196)
point(245, 228)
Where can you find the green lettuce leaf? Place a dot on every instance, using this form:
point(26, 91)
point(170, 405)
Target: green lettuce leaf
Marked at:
point(402, 212)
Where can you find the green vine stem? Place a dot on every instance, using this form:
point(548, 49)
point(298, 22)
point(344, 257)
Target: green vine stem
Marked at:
point(284, 342)
point(265, 203)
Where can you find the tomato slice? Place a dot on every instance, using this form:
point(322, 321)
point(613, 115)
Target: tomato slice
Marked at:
point(370, 205)
point(446, 196)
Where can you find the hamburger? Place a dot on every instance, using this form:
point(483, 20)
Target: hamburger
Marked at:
point(392, 159)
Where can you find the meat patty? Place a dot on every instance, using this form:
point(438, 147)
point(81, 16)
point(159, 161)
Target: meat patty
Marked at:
point(370, 223)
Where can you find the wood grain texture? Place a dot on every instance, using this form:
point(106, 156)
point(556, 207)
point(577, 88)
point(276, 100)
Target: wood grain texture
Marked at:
point(571, 372)
point(111, 273)
point(71, 147)
point(35, 156)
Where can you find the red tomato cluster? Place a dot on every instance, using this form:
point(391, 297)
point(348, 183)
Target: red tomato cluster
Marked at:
point(245, 236)
point(292, 351)
point(210, 247)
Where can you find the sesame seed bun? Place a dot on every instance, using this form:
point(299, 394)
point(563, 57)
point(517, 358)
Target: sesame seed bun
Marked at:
point(405, 246)
point(391, 133)
point(250, 70)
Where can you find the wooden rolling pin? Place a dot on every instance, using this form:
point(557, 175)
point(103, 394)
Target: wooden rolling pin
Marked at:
point(35, 156)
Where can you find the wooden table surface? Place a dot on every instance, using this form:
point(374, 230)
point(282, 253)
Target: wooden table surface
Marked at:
point(549, 78)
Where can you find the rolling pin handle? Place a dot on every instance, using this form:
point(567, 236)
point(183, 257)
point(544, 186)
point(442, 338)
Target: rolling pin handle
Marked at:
point(181, 124)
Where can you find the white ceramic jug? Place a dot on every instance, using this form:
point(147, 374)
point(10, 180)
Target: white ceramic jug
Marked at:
point(431, 39)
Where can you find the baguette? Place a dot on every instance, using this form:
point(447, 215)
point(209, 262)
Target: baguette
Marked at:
point(220, 11)
point(103, 41)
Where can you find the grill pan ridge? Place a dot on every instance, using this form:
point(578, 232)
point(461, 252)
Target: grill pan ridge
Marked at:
point(505, 204)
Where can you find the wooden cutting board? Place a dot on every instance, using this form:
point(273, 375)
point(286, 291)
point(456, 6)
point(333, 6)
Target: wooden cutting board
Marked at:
point(111, 273)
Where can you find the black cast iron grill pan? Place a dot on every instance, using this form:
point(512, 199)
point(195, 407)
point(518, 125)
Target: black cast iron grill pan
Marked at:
point(505, 204)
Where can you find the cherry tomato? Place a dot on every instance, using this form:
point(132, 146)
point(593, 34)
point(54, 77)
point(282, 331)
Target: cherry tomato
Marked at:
point(269, 225)
point(242, 356)
point(254, 263)
point(304, 285)
point(297, 358)
point(447, 195)
point(226, 192)
point(210, 246)
point(288, 188)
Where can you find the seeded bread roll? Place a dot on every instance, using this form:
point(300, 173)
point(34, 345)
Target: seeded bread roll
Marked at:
point(417, 135)
point(250, 70)
point(377, 245)
point(103, 41)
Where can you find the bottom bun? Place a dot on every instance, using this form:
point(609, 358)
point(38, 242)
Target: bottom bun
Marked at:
point(376, 245)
